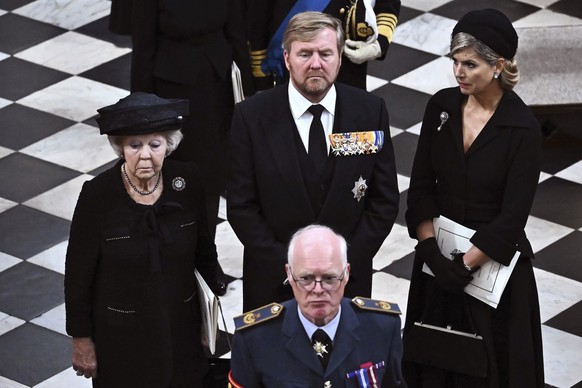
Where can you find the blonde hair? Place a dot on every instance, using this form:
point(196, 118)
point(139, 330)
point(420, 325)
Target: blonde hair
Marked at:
point(305, 26)
point(508, 77)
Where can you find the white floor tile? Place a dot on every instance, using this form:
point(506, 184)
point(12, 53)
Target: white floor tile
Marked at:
point(540, 3)
point(544, 176)
point(7, 261)
point(391, 289)
point(68, 14)
point(397, 245)
point(7, 383)
point(66, 378)
point(373, 83)
point(230, 250)
point(572, 173)
point(556, 293)
point(6, 204)
point(424, 5)
point(222, 208)
point(61, 200)
point(415, 129)
point(546, 18)
point(427, 32)
point(52, 258)
point(8, 323)
point(232, 304)
point(403, 183)
point(74, 98)
point(562, 357)
point(5, 152)
point(4, 102)
point(429, 78)
point(542, 233)
point(79, 147)
point(53, 320)
point(90, 52)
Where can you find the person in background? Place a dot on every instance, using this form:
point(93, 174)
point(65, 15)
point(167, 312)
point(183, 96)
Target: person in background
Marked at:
point(319, 338)
point(286, 171)
point(138, 232)
point(368, 24)
point(478, 163)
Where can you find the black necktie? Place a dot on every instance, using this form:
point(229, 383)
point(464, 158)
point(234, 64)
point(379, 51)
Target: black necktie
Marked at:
point(322, 345)
point(317, 145)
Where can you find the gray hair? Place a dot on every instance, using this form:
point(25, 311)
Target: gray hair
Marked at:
point(510, 74)
point(173, 139)
point(305, 26)
point(341, 241)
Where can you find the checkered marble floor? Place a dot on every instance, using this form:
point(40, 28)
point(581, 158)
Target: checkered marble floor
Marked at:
point(58, 64)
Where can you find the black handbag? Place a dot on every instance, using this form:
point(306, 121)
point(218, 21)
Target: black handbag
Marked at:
point(445, 348)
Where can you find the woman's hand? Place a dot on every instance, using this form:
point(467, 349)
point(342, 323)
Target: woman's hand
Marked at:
point(84, 357)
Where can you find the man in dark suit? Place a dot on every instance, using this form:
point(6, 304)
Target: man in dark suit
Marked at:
point(283, 175)
point(319, 338)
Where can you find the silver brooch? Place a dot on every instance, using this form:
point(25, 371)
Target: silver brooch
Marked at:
point(178, 183)
point(444, 117)
point(360, 188)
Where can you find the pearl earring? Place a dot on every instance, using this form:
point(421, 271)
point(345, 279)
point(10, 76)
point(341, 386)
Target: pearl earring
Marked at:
point(495, 75)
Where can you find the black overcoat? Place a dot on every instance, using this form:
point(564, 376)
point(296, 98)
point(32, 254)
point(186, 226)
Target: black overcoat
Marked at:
point(268, 200)
point(129, 279)
point(490, 188)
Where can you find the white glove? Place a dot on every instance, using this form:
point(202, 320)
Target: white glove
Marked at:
point(360, 52)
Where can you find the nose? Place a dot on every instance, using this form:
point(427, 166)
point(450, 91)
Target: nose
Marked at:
point(315, 61)
point(145, 153)
point(457, 70)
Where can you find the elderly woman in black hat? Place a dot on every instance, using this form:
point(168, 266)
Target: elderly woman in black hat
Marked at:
point(138, 232)
point(477, 163)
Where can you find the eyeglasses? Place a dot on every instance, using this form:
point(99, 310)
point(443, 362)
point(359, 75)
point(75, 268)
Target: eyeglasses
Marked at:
point(327, 282)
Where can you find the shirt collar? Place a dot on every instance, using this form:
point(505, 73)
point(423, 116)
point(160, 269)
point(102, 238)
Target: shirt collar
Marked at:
point(330, 328)
point(300, 104)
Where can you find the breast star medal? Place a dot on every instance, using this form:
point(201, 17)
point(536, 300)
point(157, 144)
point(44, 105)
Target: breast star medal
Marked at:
point(360, 188)
point(178, 183)
point(319, 348)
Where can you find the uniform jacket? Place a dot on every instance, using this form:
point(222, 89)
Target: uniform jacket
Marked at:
point(490, 189)
point(278, 353)
point(265, 17)
point(268, 201)
point(175, 40)
point(129, 280)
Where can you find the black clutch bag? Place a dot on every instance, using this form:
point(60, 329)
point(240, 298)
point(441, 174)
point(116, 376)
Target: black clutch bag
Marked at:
point(445, 348)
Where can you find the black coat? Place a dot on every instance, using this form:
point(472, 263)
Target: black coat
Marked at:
point(268, 199)
point(129, 279)
point(490, 188)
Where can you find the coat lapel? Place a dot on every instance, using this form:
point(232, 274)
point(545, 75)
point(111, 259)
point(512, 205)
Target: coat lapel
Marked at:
point(345, 339)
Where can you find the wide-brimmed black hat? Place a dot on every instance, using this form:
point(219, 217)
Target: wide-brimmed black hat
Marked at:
point(141, 113)
point(491, 27)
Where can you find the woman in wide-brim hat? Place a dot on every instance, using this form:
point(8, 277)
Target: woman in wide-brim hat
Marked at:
point(138, 232)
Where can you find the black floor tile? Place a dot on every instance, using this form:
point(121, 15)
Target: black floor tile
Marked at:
point(103, 168)
point(399, 61)
point(29, 177)
point(401, 268)
point(21, 78)
point(562, 257)
point(404, 151)
point(400, 220)
point(569, 320)
point(28, 290)
point(514, 10)
point(405, 106)
point(19, 33)
point(31, 354)
point(99, 29)
point(10, 5)
point(564, 147)
point(568, 7)
point(554, 202)
point(406, 14)
point(27, 232)
point(116, 72)
point(22, 126)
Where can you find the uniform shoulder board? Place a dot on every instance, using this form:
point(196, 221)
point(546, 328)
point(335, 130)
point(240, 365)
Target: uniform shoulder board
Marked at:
point(257, 316)
point(376, 305)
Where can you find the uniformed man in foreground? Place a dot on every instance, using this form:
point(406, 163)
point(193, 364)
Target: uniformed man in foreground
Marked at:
point(319, 338)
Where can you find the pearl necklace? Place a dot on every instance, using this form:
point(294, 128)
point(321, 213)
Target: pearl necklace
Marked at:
point(135, 188)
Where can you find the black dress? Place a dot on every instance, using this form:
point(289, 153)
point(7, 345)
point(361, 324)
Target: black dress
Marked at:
point(129, 279)
point(490, 189)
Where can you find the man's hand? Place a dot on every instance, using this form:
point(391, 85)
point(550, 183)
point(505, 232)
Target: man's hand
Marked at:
point(84, 357)
point(360, 52)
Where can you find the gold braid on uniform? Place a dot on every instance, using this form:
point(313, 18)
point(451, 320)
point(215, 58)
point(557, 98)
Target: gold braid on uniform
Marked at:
point(386, 24)
point(257, 57)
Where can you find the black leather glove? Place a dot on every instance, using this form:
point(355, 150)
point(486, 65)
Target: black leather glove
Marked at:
point(450, 276)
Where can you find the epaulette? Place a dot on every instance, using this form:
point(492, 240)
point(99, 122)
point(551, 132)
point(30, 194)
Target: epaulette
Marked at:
point(376, 305)
point(257, 316)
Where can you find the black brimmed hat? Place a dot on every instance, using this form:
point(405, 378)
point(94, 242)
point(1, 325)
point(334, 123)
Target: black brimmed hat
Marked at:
point(491, 27)
point(142, 113)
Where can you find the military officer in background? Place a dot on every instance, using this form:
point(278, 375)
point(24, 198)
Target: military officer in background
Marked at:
point(369, 26)
point(319, 338)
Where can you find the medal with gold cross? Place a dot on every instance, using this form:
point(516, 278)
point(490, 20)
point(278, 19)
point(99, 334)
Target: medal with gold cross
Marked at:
point(360, 188)
point(319, 348)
